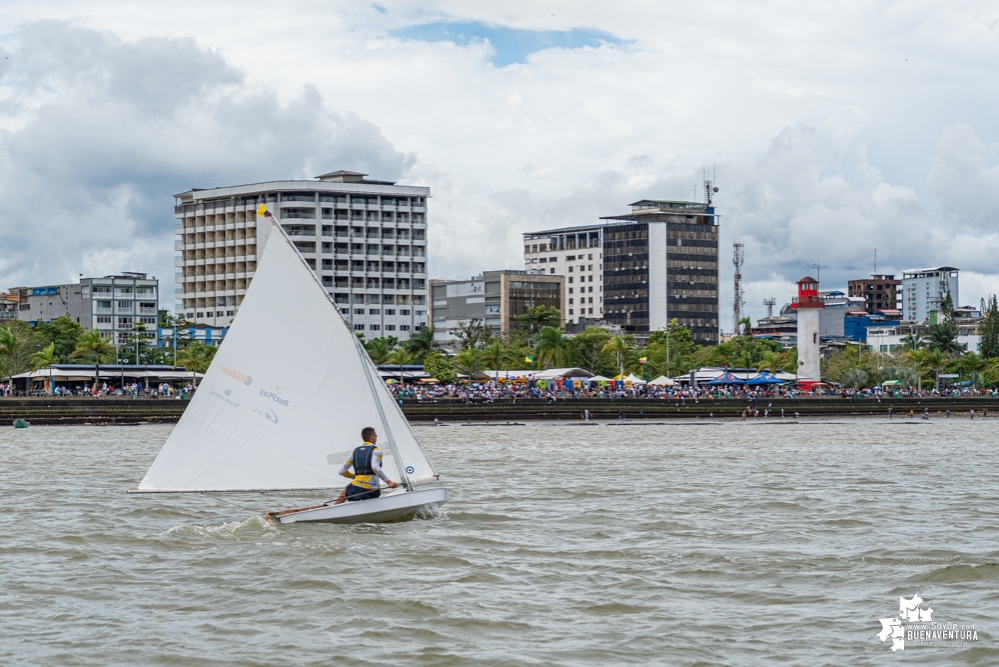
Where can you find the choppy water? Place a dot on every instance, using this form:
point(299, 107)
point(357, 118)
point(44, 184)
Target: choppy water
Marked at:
point(679, 544)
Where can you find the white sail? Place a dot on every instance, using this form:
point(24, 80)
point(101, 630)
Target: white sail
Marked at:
point(285, 398)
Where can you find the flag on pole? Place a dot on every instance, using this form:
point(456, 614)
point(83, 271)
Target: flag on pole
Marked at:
point(643, 360)
point(529, 360)
point(262, 212)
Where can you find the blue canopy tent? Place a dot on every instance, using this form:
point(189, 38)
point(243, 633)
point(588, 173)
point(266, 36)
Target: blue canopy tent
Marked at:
point(726, 378)
point(764, 377)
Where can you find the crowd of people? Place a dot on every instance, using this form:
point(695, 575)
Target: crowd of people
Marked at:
point(489, 392)
point(133, 389)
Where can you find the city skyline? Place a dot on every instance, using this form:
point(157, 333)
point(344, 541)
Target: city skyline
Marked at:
point(819, 125)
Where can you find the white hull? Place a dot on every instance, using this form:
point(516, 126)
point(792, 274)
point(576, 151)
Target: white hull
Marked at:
point(378, 510)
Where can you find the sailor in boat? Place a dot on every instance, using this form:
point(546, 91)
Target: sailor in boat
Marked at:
point(366, 461)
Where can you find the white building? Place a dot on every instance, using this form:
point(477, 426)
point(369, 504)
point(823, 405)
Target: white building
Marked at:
point(577, 254)
point(365, 239)
point(924, 289)
point(114, 305)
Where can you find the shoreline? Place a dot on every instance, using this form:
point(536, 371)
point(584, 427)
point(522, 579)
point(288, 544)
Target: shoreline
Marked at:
point(76, 411)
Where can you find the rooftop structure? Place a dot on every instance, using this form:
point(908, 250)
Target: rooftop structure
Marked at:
point(365, 239)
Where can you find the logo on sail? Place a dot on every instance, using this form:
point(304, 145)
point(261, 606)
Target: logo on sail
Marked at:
point(265, 415)
point(274, 396)
point(245, 379)
point(225, 397)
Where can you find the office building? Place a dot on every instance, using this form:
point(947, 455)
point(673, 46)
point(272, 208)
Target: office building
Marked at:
point(114, 305)
point(923, 291)
point(880, 292)
point(661, 263)
point(365, 239)
point(496, 297)
point(577, 254)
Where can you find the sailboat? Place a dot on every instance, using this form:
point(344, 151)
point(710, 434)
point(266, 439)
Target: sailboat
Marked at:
point(284, 401)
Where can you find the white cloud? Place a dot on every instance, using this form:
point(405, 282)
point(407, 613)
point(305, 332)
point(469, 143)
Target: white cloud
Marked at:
point(836, 129)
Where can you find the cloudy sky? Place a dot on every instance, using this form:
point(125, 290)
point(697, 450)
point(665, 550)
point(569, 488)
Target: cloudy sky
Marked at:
point(835, 130)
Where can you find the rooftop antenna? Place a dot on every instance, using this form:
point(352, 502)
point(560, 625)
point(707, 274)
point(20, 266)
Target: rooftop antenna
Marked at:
point(737, 301)
point(875, 261)
point(709, 185)
point(770, 302)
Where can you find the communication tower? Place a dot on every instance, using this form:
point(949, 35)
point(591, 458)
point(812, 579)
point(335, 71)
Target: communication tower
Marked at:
point(770, 303)
point(737, 301)
point(709, 186)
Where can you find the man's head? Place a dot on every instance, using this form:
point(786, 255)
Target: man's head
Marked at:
point(368, 434)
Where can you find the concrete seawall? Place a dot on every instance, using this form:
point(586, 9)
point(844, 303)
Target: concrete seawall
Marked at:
point(159, 411)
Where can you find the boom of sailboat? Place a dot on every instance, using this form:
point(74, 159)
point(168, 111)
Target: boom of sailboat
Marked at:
point(284, 401)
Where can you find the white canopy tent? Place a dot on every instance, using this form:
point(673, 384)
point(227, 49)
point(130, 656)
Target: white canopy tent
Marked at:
point(663, 381)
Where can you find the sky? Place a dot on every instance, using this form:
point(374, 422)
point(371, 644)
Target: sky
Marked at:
point(834, 131)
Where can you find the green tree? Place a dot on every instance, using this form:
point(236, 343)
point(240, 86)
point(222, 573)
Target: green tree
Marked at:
point(437, 366)
point(379, 348)
point(989, 328)
point(44, 358)
point(400, 357)
point(943, 337)
point(586, 350)
point(746, 325)
point(473, 334)
point(855, 378)
point(196, 358)
point(494, 356)
point(621, 348)
point(551, 349)
point(678, 338)
point(537, 317)
point(913, 340)
point(934, 360)
point(468, 361)
point(972, 364)
point(421, 343)
point(15, 348)
point(63, 332)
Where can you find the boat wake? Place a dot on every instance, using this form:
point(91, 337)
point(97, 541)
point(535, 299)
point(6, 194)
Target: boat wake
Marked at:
point(254, 524)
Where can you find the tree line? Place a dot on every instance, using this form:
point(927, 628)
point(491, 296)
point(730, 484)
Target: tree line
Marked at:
point(28, 348)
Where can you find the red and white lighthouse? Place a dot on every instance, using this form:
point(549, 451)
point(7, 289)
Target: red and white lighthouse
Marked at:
point(808, 303)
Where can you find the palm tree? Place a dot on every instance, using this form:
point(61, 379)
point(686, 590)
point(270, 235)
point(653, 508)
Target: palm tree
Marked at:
point(93, 346)
point(913, 340)
point(468, 360)
point(622, 348)
point(399, 357)
point(550, 347)
point(933, 360)
point(196, 357)
point(973, 364)
point(11, 350)
point(421, 343)
point(44, 358)
point(747, 326)
point(379, 349)
point(494, 355)
point(771, 362)
point(943, 337)
point(855, 378)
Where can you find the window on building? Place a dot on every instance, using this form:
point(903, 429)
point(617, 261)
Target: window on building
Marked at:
point(570, 269)
point(376, 327)
point(358, 311)
point(570, 258)
point(551, 270)
point(543, 260)
point(358, 327)
point(570, 302)
point(553, 259)
point(570, 290)
point(590, 256)
point(390, 311)
point(403, 327)
point(591, 310)
point(374, 311)
point(103, 320)
point(570, 277)
point(404, 311)
point(570, 311)
point(389, 327)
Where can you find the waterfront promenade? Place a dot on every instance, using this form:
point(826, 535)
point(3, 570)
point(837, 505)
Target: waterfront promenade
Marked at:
point(119, 410)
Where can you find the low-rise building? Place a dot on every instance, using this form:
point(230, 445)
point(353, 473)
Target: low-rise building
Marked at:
point(118, 306)
point(879, 292)
point(495, 297)
point(8, 305)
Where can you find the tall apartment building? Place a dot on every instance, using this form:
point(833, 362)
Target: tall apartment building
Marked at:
point(113, 305)
point(365, 239)
point(495, 297)
point(577, 254)
point(880, 292)
point(923, 290)
point(661, 263)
